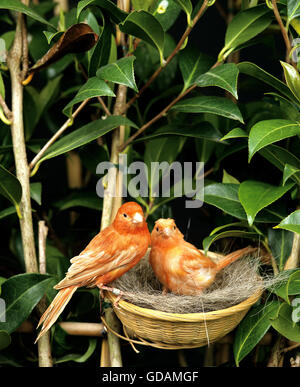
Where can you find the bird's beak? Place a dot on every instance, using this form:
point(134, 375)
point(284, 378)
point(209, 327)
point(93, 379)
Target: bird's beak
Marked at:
point(167, 231)
point(137, 218)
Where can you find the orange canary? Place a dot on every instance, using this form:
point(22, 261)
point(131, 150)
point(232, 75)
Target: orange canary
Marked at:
point(110, 254)
point(179, 265)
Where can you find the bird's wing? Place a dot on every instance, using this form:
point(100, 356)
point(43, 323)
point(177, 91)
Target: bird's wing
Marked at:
point(193, 260)
point(107, 251)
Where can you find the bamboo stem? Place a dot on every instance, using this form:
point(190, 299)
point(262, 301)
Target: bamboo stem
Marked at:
point(44, 346)
point(19, 149)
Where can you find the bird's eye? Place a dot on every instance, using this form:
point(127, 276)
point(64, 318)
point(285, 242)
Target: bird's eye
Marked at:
point(157, 229)
point(125, 215)
point(174, 228)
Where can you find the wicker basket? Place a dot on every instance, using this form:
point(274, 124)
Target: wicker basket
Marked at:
point(174, 331)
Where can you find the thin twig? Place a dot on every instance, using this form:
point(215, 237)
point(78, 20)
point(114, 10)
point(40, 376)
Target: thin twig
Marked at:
point(58, 133)
point(290, 348)
point(283, 30)
point(171, 56)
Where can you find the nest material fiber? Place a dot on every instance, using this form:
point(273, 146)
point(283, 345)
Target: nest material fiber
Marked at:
point(234, 284)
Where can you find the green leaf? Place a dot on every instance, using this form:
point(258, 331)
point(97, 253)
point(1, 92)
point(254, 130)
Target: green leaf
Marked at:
point(145, 26)
point(289, 171)
point(245, 26)
point(227, 179)
point(78, 358)
point(21, 294)
point(279, 157)
point(187, 6)
point(36, 192)
point(94, 87)
point(116, 13)
point(289, 287)
point(10, 187)
point(285, 325)
point(7, 211)
point(200, 130)
point(253, 70)
point(280, 242)
point(192, 65)
point(5, 339)
point(293, 9)
point(225, 197)
point(82, 136)
point(252, 329)
point(255, 195)
point(291, 222)
point(79, 199)
point(267, 132)
point(207, 242)
point(100, 53)
point(235, 133)
point(119, 72)
point(292, 79)
point(141, 4)
point(18, 6)
point(210, 104)
point(224, 76)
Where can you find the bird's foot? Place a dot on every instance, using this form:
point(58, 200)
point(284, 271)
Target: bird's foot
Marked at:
point(115, 291)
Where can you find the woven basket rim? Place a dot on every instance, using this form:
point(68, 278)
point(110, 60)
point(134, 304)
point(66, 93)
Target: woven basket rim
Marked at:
point(186, 317)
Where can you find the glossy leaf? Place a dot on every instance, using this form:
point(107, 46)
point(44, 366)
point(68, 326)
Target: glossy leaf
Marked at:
point(79, 199)
point(224, 76)
point(285, 325)
point(269, 131)
point(209, 104)
point(289, 171)
point(5, 339)
point(10, 187)
point(225, 197)
point(280, 242)
point(207, 242)
point(292, 78)
point(18, 6)
point(78, 358)
point(94, 87)
point(36, 192)
point(7, 211)
point(228, 179)
point(144, 26)
point(245, 26)
point(115, 12)
point(256, 195)
point(100, 53)
point(252, 329)
point(279, 157)
point(289, 287)
point(78, 38)
point(21, 294)
point(291, 222)
point(121, 72)
point(200, 130)
point(293, 9)
point(187, 6)
point(82, 136)
point(192, 64)
point(253, 70)
point(235, 133)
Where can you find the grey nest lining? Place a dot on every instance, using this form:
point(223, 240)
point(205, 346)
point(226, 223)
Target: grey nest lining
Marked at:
point(234, 284)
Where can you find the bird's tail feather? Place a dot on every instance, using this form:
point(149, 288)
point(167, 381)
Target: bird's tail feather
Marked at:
point(55, 309)
point(234, 256)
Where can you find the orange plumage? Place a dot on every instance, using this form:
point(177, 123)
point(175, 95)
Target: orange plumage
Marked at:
point(179, 265)
point(110, 254)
